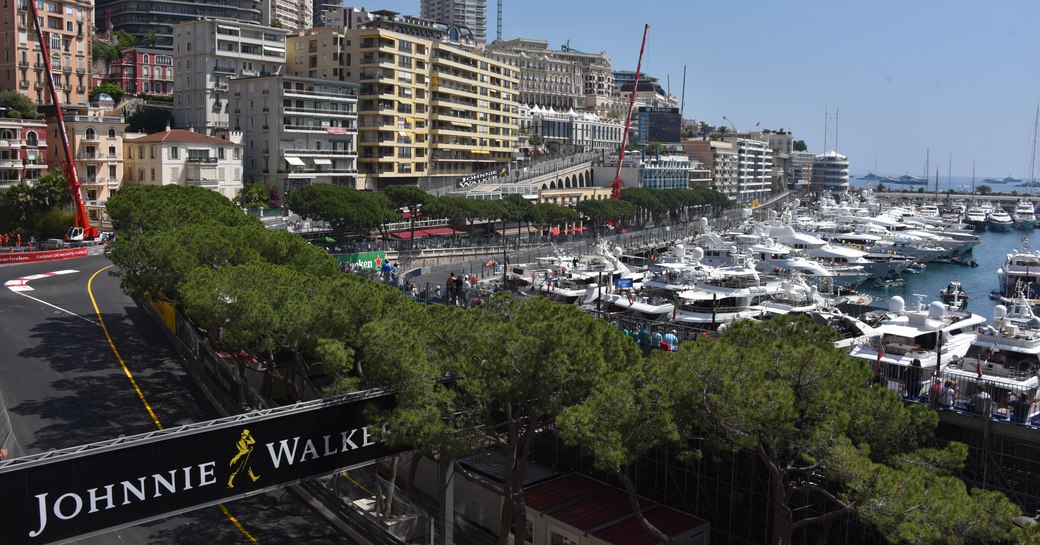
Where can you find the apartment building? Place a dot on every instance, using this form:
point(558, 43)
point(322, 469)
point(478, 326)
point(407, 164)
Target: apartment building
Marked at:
point(68, 31)
point(720, 158)
point(754, 169)
point(601, 96)
point(547, 79)
point(95, 134)
point(428, 107)
point(143, 70)
point(207, 54)
point(152, 22)
point(328, 13)
point(801, 169)
point(302, 130)
point(23, 151)
point(287, 14)
point(471, 14)
point(185, 158)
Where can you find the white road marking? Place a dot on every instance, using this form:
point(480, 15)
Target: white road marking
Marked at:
point(22, 284)
point(88, 320)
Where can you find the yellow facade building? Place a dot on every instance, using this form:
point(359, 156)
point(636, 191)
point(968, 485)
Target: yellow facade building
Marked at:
point(430, 109)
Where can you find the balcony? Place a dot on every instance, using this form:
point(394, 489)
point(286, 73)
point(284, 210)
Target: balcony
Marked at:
point(24, 84)
point(205, 160)
point(230, 70)
point(23, 64)
point(203, 182)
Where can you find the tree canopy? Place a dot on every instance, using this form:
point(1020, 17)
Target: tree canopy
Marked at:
point(149, 120)
point(347, 210)
point(799, 145)
point(18, 106)
point(813, 420)
point(110, 89)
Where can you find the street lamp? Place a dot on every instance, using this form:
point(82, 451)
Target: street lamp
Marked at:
point(724, 118)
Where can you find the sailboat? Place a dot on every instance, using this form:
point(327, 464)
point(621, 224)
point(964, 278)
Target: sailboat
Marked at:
point(1024, 216)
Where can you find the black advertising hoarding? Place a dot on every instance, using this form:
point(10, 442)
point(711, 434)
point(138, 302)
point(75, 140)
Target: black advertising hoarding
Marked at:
point(659, 125)
point(68, 494)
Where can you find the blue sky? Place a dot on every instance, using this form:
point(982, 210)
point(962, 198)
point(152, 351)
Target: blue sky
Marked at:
point(959, 78)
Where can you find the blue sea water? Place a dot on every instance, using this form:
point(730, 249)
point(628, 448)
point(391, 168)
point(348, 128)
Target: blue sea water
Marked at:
point(977, 281)
point(960, 184)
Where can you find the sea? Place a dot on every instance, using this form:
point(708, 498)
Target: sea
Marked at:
point(978, 281)
point(958, 184)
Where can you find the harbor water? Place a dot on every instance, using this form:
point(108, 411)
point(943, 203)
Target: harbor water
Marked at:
point(977, 281)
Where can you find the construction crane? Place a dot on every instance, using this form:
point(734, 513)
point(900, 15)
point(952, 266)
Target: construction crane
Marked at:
point(82, 230)
point(615, 192)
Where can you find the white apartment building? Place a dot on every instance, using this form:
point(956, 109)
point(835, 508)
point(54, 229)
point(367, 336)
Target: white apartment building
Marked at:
point(830, 173)
point(289, 14)
point(471, 14)
point(302, 130)
point(754, 168)
point(208, 53)
point(185, 158)
point(336, 16)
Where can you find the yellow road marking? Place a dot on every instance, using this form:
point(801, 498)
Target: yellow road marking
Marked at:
point(140, 394)
point(112, 345)
point(237, 524)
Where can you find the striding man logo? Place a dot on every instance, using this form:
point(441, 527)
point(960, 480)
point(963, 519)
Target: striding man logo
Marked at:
point(240, 461)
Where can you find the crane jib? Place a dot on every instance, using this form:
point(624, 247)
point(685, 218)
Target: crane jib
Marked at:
point(71, 179)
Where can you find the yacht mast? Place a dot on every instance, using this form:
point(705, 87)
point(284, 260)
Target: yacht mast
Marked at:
point(1032, 160)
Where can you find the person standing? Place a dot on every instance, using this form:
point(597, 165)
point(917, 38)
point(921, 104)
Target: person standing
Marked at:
point(459, 288)
point(913, 378)
point(449, 289)
point(947, 395)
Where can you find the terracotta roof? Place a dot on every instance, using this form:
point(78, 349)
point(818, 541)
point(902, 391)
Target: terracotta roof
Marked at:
point(178, 135)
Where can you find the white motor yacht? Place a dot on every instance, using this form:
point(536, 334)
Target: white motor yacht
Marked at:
point(1003, 362)
point(999, 220)
point(1024, 215)
point(933, 334)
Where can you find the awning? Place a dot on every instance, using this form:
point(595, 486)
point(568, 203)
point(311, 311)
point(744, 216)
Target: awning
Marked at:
point(480, 152)
point(410, 119)
point(461, 124)
point(407, 234)
point(404, 101)
point(274, 50)
point(322, 161)
point(402, 133)
point(440, 231)
point(294, 161)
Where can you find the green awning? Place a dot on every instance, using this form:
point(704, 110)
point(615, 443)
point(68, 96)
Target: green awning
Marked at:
point(330, 239)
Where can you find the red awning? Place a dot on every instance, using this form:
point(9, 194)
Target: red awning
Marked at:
point(554, 232)
point(440, 231)
point(407, 234)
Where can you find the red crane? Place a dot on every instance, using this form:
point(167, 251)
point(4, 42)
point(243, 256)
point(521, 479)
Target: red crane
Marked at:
point(615, 192)
point(82, 230)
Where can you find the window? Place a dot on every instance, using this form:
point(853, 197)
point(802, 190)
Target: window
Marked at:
point(151, 152)
point(220, 153)
point(173, 153)
point(112, 134)
point(31, 138)
point(153, 174)
point(559, 539)
point(91, 134)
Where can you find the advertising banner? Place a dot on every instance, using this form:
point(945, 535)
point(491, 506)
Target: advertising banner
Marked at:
point(31, 257)
point(84, 491)
point(623, 283)
point(365, 260)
